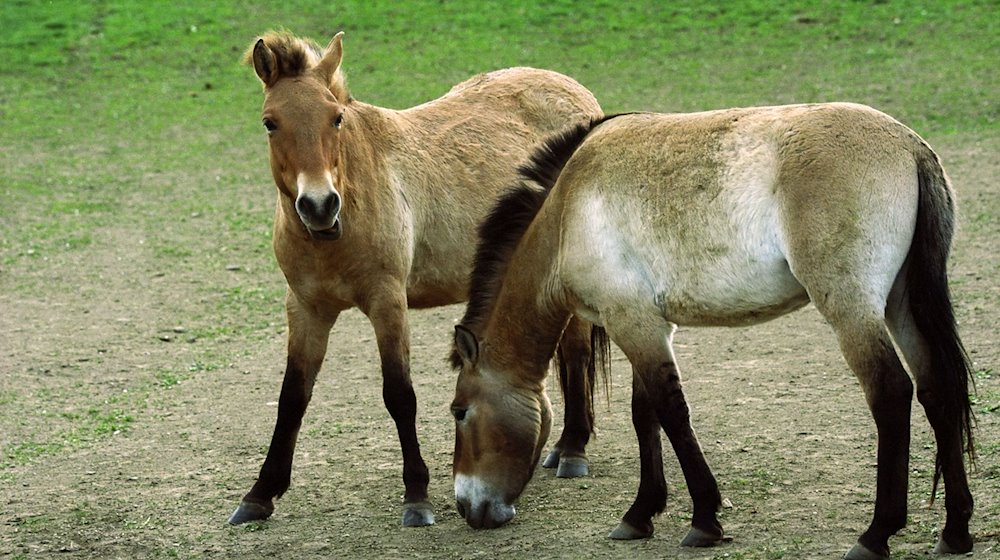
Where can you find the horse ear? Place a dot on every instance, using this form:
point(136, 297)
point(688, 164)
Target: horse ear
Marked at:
point(332, 56)
point(264, 63)
point(467, 345)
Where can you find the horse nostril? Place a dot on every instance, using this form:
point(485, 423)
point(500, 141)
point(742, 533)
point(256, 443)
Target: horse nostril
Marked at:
point(333, 204)
point(305, 206)
point(320, 209)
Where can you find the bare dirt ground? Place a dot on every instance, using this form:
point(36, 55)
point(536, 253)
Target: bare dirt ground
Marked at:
point(145, 445)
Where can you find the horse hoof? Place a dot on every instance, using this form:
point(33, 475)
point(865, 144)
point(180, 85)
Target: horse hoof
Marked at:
point(626, 532)
point(251, 511)
point(943, 548)
point(551, 460)
point(699, 538)
point(573, 467)
point(861, 552)
point(418, 514)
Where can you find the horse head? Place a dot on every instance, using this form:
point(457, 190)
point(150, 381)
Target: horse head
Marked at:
point(305, 101)
point(500, 430)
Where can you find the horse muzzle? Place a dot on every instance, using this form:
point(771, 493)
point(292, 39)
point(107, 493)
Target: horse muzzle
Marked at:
point(480, 507)
point(485, 515)
point(320, 213)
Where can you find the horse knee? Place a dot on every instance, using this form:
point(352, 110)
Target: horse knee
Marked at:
point(667, 395)
point(876, 365)
point(397, 393)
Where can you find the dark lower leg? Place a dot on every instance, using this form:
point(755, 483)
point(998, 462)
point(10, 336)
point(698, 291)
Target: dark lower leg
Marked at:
point(958, 504)
point(958, 498)
point(652, 495)
point(576, 387)
point(889, 400)
point(275, 473)
point(674, 415)
point(401, 402)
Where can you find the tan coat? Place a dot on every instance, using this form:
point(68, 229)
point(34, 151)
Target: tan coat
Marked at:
point(377, 209)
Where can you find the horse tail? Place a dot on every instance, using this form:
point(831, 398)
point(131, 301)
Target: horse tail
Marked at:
point(930, 302)
point(600, 358)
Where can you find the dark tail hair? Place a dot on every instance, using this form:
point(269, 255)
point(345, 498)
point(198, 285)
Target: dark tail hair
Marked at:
point(600, 354)
point(930, 302)
point(599, 358)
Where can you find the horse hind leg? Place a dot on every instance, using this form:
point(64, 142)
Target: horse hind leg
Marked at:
point(576, 380)
point(658, 402)
point(868, 349)
point(942, 389)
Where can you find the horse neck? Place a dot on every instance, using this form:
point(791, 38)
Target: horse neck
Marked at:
point(364, 145)
point(528, 315)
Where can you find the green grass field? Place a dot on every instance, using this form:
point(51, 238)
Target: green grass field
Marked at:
point(136, 201)
point(101, 100)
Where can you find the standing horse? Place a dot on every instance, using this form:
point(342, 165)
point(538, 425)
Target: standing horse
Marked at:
point(720, 218)
point(377, 210)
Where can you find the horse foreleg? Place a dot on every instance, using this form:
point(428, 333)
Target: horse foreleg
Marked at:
point(308, 336)
point(576, 374)
point(388, 316)
point(658, 400)
point(651, 498)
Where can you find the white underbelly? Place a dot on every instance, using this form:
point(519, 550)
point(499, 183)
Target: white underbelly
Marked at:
point(727, 292)
point(732, 273)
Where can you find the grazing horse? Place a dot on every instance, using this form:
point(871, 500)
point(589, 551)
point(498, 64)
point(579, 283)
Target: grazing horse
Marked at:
point(729, 217)
point(377, 209)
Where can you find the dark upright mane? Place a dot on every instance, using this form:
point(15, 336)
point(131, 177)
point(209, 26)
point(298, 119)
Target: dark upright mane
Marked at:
point(295, 56)
point(510, 217)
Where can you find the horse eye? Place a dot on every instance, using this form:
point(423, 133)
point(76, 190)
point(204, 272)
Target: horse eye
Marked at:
point(458, 413)
point(338, 121)
point(270, 126)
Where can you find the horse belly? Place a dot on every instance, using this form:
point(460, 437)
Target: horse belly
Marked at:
point(732, 274)
point(729, 292)
point(423, 295)
point(734, 271)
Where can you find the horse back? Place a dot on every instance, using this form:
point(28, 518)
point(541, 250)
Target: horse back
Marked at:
point(736, 216)
point(460, 152)
point(546, 101)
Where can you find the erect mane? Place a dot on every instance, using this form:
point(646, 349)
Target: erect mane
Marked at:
point(295, 56)
point(508, 220)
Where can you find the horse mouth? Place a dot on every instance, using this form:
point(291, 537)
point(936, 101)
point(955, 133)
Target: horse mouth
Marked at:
point(330, 234)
